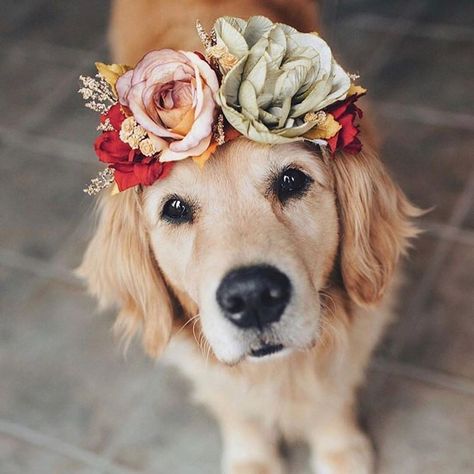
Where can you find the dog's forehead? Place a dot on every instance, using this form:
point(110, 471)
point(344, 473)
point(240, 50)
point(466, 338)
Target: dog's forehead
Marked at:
point(243, 159)
point(240, 166)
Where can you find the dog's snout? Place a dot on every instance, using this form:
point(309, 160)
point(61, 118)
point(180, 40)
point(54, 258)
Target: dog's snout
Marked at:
point(254, 296)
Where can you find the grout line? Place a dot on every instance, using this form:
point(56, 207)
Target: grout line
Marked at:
point(449, 232)
point(60, 91)
point(432, 377)
point(435, 31)
point(21, 14)
point(427, 115)
point(80, 234)
point(461, 210)
point(41, 440)
point(143, 406)
point(440, 253)
point(390, 43)
point(38, 267)
point(66, 54)
point(50, 146)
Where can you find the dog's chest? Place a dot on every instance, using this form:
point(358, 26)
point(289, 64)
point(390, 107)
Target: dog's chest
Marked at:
point(289, 394)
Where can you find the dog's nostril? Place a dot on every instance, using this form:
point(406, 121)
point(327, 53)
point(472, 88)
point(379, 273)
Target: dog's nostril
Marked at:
point(254, 296)
point(272, 296)
point(234, 304)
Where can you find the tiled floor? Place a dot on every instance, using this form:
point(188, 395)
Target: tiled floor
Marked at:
point(69, 403)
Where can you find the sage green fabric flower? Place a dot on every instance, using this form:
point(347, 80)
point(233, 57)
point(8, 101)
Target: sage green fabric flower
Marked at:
point(276, 77)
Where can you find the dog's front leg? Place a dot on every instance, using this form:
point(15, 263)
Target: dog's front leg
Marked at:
point(249, 448)
point(339, 446)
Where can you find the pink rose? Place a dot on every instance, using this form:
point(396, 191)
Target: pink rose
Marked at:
point(171, 95)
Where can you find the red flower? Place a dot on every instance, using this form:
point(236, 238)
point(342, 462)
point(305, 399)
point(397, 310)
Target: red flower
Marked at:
point(110, 149)
point(116, 116)
point(131, 167)
point(346, 113)
point(128, 175)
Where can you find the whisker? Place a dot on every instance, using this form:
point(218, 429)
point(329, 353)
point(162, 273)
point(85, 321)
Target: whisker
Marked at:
point(186, 323)
point(208, 352)
point(194, 331)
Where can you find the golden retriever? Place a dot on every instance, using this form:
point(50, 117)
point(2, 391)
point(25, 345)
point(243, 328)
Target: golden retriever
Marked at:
point(182, 259)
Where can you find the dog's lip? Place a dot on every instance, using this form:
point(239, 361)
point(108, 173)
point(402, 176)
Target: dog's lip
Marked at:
point(266, 349)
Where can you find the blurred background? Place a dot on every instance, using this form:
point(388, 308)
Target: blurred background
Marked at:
point(71, 403)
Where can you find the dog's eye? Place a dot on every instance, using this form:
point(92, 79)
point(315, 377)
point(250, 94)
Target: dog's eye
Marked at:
point(292, 183)
point(176, 211)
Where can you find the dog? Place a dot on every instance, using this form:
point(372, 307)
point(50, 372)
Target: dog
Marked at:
point(309, 241)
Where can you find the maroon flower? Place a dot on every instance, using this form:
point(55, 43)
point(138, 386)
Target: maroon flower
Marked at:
point(129, 174)
point(110, 149)
point(116, 115)
point(131, 167)
point(346, 113)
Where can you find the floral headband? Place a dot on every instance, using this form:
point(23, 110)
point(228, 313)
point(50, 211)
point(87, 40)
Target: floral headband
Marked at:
point(261, 80)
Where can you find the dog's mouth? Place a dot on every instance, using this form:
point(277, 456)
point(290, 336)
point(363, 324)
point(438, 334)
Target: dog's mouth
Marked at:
point(266, 350)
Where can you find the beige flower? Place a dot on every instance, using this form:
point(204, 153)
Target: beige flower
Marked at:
point(126, 129)
point(139, 132)
point(147, 148)
point(133, 141)
point(171, 95)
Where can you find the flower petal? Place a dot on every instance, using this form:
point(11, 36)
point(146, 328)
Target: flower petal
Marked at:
point(203, 157)
point(171, 155)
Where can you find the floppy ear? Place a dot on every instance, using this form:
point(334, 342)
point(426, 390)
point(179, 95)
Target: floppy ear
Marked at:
point(121, 270)
point(374, 224)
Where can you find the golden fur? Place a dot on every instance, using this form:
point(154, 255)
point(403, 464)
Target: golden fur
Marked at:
point(340, 244)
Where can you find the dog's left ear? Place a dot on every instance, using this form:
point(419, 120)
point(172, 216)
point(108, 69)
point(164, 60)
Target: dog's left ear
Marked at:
point(374, 224)
point(120, 270)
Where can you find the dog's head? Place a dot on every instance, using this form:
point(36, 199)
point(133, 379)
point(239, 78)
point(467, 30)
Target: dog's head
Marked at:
point(246, 246)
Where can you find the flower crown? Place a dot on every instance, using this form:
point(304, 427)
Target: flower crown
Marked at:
point(261, 80)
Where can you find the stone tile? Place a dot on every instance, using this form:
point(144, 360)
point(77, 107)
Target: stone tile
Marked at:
point(15, 288)
point(413, 269)
point(43, 202)
point(445, 12)
point(442, 334)
point(70, 120)
point(355, 49)
point(14, 12)
point(468, 222)
point(428, 72)
point(19, 457)
point(81, 25)
point(432, 164)
point(71, 252)
point(419, 428)
point(395, 8)
point(29, 78)
point(167, 424)
point(62, 372)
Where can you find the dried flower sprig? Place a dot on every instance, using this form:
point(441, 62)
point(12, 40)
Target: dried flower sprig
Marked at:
point(316, 117)
point(103, 180)
point(207, 39)
point(106, 126)
point(98, 93)
point(219, 134)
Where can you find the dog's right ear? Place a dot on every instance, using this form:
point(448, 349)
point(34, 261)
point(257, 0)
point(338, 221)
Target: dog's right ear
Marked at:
point(375, 224)
point(120, 270)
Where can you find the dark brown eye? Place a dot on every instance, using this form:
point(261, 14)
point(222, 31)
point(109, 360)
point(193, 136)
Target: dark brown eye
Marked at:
point(176, 211)
point(292, 183)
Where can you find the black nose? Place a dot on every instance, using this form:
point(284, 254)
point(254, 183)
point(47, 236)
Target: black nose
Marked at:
point(252, 297)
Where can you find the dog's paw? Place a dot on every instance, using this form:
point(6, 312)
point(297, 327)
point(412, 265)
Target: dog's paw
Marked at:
point(255, 468)
point(356, 457)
